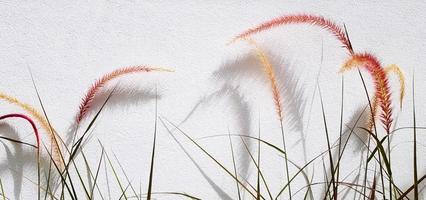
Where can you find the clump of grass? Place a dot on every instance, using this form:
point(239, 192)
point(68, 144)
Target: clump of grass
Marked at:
point(382, 93)
point(366, 60)
point(381, 100)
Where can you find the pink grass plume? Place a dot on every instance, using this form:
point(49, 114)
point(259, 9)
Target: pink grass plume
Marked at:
point(87, 100)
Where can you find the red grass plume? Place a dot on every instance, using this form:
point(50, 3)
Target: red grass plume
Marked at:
point(100, 83)
point(320, 21)
point(382, 91)
point(29, 120)
point(401, 78)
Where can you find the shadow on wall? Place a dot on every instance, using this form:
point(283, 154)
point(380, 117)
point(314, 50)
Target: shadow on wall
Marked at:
point(242, 112)
point(290, 87)
point(222, 194)
point(229, 76)
point(122, 98)
point(16, 158)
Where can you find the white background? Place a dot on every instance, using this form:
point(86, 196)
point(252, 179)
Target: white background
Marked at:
point(68, 46)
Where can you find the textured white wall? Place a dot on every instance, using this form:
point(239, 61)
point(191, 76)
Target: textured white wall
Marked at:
point(69, 45)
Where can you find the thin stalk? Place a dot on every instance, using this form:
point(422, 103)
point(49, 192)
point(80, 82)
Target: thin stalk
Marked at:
point(389, 159)
point(151, 172)
point(2, 190)
point(48, 180)
point(123, 190)
point(340, 134)
point(286, 159)
point(366, 167)
point(260, 174)
point(258, 163)
point(416, 189)
point(96, 176)
point(233, 163)
point(328, 146)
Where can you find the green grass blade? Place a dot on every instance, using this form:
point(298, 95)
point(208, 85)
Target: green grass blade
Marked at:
point(286, 159)
point(17, 141)
point(234, 164)
point(404, 195)
point(123, 190)
point(416, 188)
point(2, 190)
point(210, 156)
point(328, 147)
point(95, 179)
point(125, 175)
point(257, 165)
point(151, 171)
point(260, 176)
point(63, 180)
point(178, 194)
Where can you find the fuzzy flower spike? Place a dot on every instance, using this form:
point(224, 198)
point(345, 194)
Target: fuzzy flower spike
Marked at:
point(29, 120)
point(397, 71)
point(320, 21)
point(269, 72)
point(87, 101)
point(401, 78)
point(382, 92)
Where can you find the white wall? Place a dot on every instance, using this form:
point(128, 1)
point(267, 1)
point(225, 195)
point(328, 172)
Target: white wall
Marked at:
point(69, 45)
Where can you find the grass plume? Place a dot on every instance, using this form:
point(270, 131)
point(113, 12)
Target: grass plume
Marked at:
point(372, 116)
point(320, 21)
point(393, 68)
point(381, 84)
point(100, 83)
point(397, 71)
point(29, 120)
point(269, 72)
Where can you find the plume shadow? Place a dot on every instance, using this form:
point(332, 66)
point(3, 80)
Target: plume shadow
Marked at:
point(17, 158)
point(242, 110)
point(359, 118)
point(289, 85)
point(123, 98)
point(247, 66)
point(14, 160)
